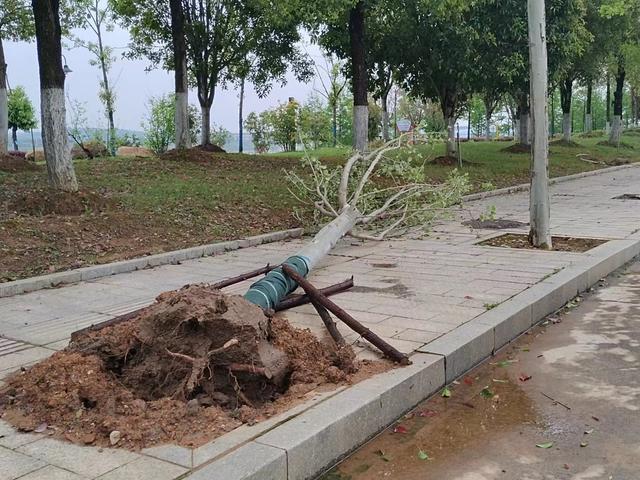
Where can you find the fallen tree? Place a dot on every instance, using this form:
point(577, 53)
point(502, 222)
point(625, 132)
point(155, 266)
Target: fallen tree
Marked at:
point(374, 196)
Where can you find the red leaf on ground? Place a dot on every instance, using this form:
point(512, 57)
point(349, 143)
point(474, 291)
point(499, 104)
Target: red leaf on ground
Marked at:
point(400, 429)
point(468, 381)
point(427, 413)
point(524, 377)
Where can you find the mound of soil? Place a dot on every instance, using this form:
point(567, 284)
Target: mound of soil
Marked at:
point(15, 164)
point(564, 143)
point(198, 154)
point(447, 161)
point(194, 365)
point(210, 147)
point(624, 145)
point(53, 202)
point(517, 148)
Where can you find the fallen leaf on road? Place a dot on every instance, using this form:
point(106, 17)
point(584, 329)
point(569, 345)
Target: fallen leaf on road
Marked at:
point(545, 445)
point(589, 431)
point(468, 381)
point(400, 429)
point(524, 377)
point(467, 404)
point(500, 381)
point(486, 393)
point(596, 418)
point(382, 455)
point(446, 393)
point(41, 428)
point(423, 455)
point(584, 444)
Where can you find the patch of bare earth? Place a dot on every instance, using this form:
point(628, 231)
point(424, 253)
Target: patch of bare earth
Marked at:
point(15, 164)
point(191, 367)
point(560, 244)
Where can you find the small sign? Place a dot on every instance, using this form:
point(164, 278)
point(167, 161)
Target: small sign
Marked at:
point(403, 125)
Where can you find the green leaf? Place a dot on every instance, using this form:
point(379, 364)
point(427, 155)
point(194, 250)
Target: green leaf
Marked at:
point(382, 455)
point(423, 455)
point(446, 393)
point(545, 445)
point(486, 393)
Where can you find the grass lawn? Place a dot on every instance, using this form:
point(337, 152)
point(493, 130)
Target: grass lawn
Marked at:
point(134, 207)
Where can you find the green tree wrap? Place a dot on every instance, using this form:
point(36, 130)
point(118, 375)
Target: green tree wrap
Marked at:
point(270, 290)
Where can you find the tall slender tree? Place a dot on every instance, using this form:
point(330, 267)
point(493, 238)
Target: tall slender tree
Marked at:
point(178, 42)
point(52, 101)
point(539, 208)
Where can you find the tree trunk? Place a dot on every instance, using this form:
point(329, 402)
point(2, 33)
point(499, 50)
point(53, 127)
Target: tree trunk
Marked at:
point(52, 105)
point(385, 117)
point(539, 208)
point(334, 123)
point(566, 91)
point(4, 104)
point(111, 143)
point(14, 137)
point(608, 122)
point(616, 127)
point(525, 121)
point(359, 75)
point(488, 107)
point(588, 118)
point(240, 118)
point(205, 129)
point(452, 147)
point(183, 138)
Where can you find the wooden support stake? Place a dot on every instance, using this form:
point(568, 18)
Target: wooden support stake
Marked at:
point(351, 322)
point(242, 277)
point(298, 300)
point(329, 323)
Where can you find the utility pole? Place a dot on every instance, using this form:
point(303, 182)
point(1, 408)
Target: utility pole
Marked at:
point(539, 208)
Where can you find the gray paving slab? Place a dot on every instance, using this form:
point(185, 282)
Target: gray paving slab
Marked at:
point(14, 464)
point(145, 467)
point(52, 473)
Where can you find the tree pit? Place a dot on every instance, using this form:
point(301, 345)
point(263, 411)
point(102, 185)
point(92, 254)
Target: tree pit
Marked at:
point(194, 365)
point(517, 148)
point(560, 244)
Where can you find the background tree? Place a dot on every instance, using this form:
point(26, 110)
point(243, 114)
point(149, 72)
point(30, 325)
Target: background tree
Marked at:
point(260, 130)
point(16, 24)
point(96, 17)
point(22, 115)
point(315, 123)
point(333, 85)
point(52, 103)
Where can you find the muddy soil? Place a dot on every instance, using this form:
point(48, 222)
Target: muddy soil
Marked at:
point(52, 202)
point(560, 244)
point(496, 224)
point(15, 164)
point(196, 364)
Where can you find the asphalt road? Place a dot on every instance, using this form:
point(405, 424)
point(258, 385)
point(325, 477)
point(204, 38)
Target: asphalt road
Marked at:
point(576, 418)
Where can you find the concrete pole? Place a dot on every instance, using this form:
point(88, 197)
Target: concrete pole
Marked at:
point(539, 208)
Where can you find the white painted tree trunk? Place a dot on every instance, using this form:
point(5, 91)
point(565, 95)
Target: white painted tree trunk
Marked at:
point(205, 129)
point(183, 139)
point(57, 151)
point(566, 127)
point(385, 121)
point(452, 147)
point(616, 130)
point(516, 130)
point(4, 121)
point(360, 127)
point(588, 123)
point(539, 206)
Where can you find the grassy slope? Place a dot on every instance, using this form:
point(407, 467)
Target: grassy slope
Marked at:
point(161, 205)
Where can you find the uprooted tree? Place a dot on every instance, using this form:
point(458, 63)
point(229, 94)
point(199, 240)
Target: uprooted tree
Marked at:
point(374, 196)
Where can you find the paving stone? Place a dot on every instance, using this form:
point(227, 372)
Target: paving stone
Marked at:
point(253, 461)
point(171, 453)
point(11, 438)
point(145, 467)
point(52, 473)
point(14, 464)
point(11, 362)
point(87, 461)
point(509, 320)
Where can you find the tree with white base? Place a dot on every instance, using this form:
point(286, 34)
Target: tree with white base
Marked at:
point(540, 233)
point(57, 151)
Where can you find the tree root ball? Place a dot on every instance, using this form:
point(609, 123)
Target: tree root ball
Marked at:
point(193, 365)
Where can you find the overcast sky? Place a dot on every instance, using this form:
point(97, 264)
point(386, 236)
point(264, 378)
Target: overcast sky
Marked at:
point(134, 86)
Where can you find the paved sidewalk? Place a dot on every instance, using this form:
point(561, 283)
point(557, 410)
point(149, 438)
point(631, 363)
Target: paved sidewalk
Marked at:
point(408, 291)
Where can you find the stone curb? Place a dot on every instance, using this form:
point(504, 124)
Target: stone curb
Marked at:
point(317, 439)
point(96, 271)
point(524, 187)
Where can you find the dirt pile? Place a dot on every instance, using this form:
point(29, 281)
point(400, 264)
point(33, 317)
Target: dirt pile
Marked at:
point(15, 164)
point(196, 364)
point(39, 202)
